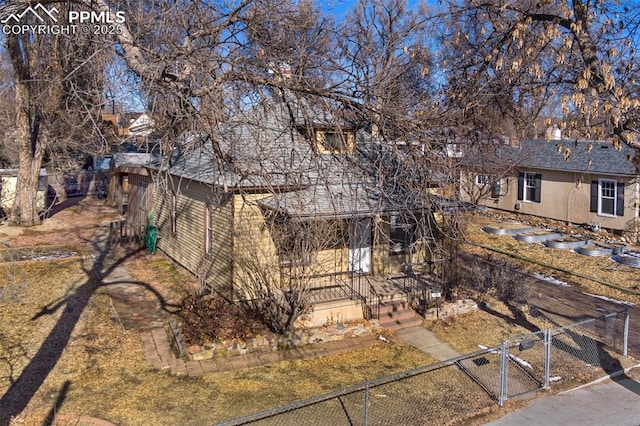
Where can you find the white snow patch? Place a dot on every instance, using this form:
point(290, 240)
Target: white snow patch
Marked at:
point(608, 299)
point(550, 280)
point(555, 379)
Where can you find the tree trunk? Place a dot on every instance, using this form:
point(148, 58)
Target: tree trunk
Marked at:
point(31, 151)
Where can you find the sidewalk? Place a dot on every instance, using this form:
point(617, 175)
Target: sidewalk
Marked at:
point(611, 401)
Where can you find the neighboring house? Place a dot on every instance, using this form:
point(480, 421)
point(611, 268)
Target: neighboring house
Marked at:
point(288, 193)
point(129, 124)
point(8, 183)
point(581, 182)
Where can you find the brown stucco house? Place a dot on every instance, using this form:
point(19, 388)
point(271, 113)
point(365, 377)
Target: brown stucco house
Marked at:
point(579, 182)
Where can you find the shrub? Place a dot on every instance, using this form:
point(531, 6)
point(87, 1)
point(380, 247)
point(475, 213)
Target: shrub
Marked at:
point(212, 318)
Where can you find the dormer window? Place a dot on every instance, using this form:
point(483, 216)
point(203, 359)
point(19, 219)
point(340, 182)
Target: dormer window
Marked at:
point(335, 142)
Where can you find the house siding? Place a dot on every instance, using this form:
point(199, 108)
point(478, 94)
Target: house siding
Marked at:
point(566, 196)
point(187, 245)
point(252, 242)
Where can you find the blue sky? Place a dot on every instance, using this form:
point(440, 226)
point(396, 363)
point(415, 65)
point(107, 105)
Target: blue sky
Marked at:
point(338, 8)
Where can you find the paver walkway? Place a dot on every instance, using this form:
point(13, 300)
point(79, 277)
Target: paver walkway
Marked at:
point(135, 308)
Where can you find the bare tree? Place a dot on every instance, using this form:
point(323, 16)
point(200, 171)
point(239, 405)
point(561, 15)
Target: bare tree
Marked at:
point(512, 61)
point(387, 62)
point(57, 85)
point(278, 279)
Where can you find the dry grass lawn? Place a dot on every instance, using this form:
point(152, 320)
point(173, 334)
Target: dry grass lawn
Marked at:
point(101, 370)
point(600, 268)
point(89, 366)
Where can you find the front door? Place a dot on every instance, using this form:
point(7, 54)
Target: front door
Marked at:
point(360, 246)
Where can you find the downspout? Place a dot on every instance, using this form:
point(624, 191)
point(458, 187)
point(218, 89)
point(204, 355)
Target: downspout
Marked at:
point(573, 190)
point(637, 210)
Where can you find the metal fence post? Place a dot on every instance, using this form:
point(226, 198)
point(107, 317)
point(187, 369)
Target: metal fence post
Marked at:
point(503, 374)
point(547, 357)
point(626, 332)
point(366, 403)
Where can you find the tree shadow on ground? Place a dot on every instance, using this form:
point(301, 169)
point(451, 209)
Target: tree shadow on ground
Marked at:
point(590, 351)
point(518, 317)
point(22, 390)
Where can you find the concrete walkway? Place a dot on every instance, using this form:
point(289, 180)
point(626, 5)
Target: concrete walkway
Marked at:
point(427, 342)
point(612, 401)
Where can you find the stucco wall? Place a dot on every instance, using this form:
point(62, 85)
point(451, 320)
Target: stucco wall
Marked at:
point(566, 196)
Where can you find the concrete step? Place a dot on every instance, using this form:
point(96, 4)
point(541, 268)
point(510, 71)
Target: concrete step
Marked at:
point(395, 324)
point(396, 315)
point(392, 306)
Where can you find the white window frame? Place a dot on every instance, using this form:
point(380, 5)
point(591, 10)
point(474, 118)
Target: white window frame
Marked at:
point(208, 231)
point(528, 183)
point(174, 213)
point(482, 180)
point(601, 196)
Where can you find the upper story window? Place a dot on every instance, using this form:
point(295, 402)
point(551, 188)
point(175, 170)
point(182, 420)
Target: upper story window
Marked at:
point(335, 142)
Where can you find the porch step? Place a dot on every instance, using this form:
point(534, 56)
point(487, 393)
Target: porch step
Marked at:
point(396, 315)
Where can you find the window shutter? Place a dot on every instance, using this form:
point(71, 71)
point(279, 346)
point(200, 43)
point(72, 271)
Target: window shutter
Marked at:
point(536, 196)
point(593, 207)
point(620, 199)
point(495, 189)
point(520, 186)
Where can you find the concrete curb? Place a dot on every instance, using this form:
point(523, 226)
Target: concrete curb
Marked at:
point(601, 379)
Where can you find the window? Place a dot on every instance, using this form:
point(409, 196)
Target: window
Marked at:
point(400, 235)
point(482, 180)
point(529, 187)
point(494, 184)
point(174, 213)
point(294, 241)
point(332, 142)
point(142, 195)
point(208, 232)
point(499, 188)
point(607, 197)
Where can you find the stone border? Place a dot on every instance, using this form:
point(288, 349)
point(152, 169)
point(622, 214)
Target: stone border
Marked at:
point(269, 342)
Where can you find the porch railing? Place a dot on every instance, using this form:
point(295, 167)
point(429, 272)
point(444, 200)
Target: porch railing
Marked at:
point(362, 288)
point(346, 285)
point(418, 288)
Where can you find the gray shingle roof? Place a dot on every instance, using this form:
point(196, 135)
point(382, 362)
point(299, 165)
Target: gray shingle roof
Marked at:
point(356, 200)
point(266, 148)
point(263, 148)
point(584, 156)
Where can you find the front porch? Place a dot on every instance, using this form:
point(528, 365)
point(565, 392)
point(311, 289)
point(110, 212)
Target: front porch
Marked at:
point(394, 300)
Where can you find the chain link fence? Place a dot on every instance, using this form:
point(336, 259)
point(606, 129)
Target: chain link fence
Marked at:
point(449, 391)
